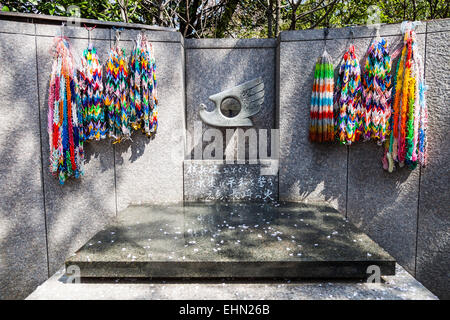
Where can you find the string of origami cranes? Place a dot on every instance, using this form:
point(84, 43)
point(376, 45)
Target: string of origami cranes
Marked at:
point(364, 106)
point(88, 101)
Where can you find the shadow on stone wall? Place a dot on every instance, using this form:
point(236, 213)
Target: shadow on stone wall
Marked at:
point(136, 146)
point(76, 210)
point(351, 178)
point(23, 258)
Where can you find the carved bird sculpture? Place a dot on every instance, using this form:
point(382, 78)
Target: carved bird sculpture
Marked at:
point(247, 100)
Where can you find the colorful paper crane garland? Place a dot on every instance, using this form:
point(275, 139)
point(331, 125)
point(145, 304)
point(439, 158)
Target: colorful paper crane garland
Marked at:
point(116, 95)
point(143, 101)
point(369, 110)
point(321, 113)
point(64, 117)
point(91, 87)
point(377, 92)
point(347, 99)
point(407, 142)
point(76, 111)
point(81, 108)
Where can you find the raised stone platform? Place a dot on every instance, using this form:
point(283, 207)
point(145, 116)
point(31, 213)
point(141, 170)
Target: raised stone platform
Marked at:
point(402, 286)
point(198, 240)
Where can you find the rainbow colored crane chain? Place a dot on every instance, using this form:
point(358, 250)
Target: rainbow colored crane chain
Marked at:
point(407, 141)
point(377, 92)
point(91, 87)
point(116, 95)
point(65, 128)
point(143, 100)
point(321, 113)
point(347, 99)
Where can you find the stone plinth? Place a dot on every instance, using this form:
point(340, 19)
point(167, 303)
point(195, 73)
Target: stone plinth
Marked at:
point(198, 240)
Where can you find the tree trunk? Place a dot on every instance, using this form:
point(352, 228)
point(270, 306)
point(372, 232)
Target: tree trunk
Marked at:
point(404, 10)
point(434, 11)
point(294, 16)
point(188, 13)
point(225, 19)
point(159, 17)
point(183, 12)
point(123, 4)
point(270, 19)
point(277, 17)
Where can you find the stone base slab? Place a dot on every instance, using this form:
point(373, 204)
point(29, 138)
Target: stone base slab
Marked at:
point(201, 240)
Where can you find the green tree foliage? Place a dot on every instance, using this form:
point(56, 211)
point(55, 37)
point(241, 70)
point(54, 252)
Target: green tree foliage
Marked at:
point(239, 18)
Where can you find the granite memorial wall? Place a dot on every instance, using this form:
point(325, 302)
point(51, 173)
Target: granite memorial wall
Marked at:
point(406, 211)
point(42, 222)
point(233, 172)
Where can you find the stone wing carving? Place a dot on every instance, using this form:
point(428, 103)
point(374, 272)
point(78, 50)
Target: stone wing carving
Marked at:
point(250, 96)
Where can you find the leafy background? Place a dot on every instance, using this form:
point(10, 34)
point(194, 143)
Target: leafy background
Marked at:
point(241, 18)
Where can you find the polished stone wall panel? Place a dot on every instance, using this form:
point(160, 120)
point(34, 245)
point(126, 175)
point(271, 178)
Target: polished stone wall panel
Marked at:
point(151, 170)
point(433, 242)
point(377, 198)
point(214, 65)
point(79, 208)
point(23, 254)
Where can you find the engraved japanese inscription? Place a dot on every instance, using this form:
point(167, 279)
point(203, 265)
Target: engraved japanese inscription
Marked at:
point(228, 182)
